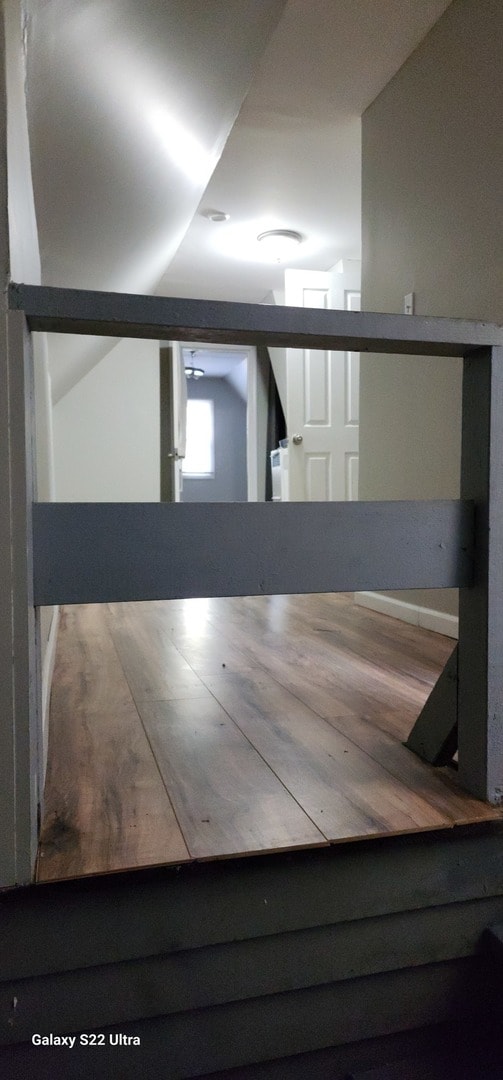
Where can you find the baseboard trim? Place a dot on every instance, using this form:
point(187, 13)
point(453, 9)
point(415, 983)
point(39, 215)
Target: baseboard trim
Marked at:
point(428, 618)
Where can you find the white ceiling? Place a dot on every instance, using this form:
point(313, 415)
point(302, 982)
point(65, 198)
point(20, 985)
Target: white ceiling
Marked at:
point(293, 157)
point(145, 115)
point(221, 362)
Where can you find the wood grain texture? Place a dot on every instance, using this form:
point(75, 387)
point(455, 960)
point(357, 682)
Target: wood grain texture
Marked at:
point(438, 786)
point(153, 666)
point(341, 787)
point(320, 670)
point(210, 728)
point(106, 807)
point(228, 800)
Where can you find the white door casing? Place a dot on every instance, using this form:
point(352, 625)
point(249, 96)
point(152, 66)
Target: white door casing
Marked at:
point(179, 417)
point(255, 395)
point(322, 394)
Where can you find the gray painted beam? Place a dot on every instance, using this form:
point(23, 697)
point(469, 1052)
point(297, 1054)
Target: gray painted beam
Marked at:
point(77, 311)
point(169, 982)
point(434, 737)
point(26, 665)
point(480, 696)
point(103, 552)
point(195, 1042)
point(8, 870)
point(19, 668)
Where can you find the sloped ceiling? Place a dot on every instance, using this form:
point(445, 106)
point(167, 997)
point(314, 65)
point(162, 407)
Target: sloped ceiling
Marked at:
point(143, 116)
point(293, 158)
point(129, 108)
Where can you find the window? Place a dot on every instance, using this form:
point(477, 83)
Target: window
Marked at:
point(199, 460)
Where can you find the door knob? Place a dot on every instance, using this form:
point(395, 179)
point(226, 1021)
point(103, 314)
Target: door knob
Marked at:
point(297, 439)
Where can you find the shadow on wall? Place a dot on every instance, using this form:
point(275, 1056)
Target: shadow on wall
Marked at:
point(229, 482)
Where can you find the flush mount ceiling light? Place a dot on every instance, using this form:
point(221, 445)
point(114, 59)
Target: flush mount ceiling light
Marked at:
point(279, 243)
point(191, 371)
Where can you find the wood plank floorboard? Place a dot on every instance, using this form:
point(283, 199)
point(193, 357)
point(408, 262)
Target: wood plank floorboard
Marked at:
point(106, 807)
point(343, 789)
point(215, 728)
point(329, 680)
point(154, 668)
point(228, 800)
point(437, 786)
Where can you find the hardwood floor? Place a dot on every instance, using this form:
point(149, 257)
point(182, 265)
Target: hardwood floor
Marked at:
point(205, 729)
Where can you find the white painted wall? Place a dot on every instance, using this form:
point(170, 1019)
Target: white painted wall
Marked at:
point(432, 225)
point(106, 430)
point(238, 378)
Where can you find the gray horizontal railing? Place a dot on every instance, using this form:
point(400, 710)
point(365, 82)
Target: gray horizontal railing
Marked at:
point(75, 311)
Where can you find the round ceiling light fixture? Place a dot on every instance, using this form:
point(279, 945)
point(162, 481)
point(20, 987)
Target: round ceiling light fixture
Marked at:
point(279, 243)
point(191, 371)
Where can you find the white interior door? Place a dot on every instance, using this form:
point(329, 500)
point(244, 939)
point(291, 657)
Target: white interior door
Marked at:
point(322, 394)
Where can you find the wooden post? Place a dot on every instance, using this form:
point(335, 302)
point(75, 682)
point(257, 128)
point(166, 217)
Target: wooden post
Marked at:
point(480, 677)
point(26, 650)
point(19, 664)
point(19, 669)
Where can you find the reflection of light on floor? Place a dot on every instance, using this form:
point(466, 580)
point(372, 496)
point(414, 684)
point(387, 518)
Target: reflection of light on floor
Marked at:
point(195, 615)
point(277, 612)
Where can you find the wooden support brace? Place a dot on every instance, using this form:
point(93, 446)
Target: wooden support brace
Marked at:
point(434, 737)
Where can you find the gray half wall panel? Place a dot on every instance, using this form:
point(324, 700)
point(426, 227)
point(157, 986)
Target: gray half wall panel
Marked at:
point(104, 552)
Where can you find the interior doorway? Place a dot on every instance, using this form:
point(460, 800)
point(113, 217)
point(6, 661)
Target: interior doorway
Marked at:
point(214, 403)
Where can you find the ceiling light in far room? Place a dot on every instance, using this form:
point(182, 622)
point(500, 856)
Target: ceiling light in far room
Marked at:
point(191, 371)
point(278, 244)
